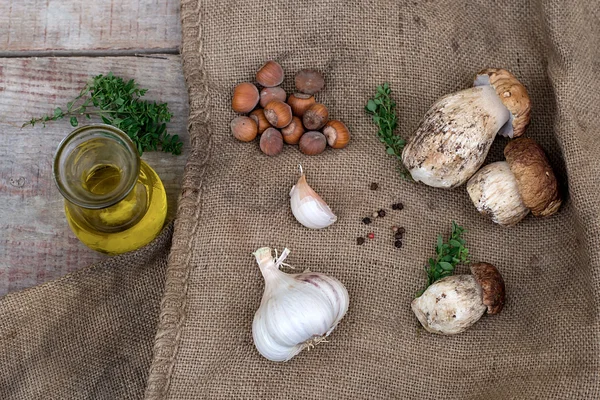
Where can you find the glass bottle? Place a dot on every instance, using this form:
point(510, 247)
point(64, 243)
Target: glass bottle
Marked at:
point(114, 201)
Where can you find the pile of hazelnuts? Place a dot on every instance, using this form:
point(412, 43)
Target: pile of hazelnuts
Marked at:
point(299, 120)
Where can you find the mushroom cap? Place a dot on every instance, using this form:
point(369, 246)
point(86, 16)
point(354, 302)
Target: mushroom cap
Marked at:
point(535, 178)
point(450, 305)
point(492, 286)
point(494, 191)
point(513, 95)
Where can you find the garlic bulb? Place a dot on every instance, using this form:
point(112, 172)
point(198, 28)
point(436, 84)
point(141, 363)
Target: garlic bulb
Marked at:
point(297, 311)
point(308, 207)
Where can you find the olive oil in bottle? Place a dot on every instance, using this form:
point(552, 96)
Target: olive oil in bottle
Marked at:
point(114, 201)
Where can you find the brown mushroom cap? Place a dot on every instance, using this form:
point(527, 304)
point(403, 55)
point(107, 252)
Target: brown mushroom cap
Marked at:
point(535, 178)
point(513, 95)
point(492, 286)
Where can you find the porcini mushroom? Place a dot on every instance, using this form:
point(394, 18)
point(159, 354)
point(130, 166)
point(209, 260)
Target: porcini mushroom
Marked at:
point(507, 190)
point(455, 135)
point(453, 304)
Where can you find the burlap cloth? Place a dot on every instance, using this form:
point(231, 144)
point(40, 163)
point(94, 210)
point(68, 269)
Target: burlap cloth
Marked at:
point(90, 334)
point(544, 345)
point(87, 335)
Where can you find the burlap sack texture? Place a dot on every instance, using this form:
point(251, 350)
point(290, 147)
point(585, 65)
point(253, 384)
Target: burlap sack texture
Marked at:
point(545, 344)
point(87, 335)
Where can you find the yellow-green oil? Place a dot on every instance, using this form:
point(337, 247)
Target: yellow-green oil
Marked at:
point(127, 225)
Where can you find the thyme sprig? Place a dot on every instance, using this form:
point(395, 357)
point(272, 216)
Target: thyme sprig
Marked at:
point(118, 103)
point(448, 256)
point(381, 108)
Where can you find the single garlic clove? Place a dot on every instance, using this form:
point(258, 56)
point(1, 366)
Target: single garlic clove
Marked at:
point(308, 207)
point(297, 311)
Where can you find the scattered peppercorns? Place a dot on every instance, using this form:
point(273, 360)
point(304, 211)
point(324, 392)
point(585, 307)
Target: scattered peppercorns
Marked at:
point(374, 186)
point(371, 235)
point(398, 243)
point(397, 206)
point(381, 213)
point(366, 220)
point(360, 241)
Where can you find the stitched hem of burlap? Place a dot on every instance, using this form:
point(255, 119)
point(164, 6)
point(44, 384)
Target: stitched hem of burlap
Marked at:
point(173, 305)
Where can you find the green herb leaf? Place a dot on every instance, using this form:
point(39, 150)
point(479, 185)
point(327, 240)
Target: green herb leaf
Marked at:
point(448, 256)
point(381, 107)
point(118, 103)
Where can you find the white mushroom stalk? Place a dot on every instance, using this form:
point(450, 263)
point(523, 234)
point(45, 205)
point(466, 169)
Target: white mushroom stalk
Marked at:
point(297, 311)
point(455, 135)
point(506, 191)
point(494, 191)
point(453, 304)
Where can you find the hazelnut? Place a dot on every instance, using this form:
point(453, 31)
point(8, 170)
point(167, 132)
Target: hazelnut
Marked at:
point(300, 102)
point(271, 142)
point(315, 117)
point(258, 116)
point(312, 143)
point(245, 98)
point(270, 74)
point(337, 134)
point(293, 132)
point(244, 128)
point(278, 113)
point(271, 93)
point(309, 81)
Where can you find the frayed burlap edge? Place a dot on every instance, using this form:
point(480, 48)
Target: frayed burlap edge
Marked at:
point(173, 305)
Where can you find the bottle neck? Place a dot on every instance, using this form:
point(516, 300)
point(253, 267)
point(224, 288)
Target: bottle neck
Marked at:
point(96, 166)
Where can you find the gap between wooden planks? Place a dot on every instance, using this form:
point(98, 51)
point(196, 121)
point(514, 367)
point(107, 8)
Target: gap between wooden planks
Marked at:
point(36, 244)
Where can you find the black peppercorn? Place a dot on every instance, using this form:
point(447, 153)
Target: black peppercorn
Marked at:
point(381, 213)
point(374, 186)
point(401, 230)
point(398, 235)
point(398, 243)
point(366, 220)
point(360, 240)
point(397, 206)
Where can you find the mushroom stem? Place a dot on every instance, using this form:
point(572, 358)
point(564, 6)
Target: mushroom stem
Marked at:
point(455, 136)
point(506, 191)
point(453, 304)
point(494, 191)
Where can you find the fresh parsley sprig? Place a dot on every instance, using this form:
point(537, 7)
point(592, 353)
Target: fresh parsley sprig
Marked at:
point(448, 256)
point(381, 108)
point(118, 103)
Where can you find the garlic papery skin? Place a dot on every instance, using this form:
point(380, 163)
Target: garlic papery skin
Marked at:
point(308, 207)
point(297, 310)
point(495, 193)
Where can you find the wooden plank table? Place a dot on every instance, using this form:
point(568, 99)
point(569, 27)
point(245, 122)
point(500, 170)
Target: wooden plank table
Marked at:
point(48, 51)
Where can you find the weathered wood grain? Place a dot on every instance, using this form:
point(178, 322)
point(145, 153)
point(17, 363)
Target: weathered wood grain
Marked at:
point(27, 25)
point(36, 244)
